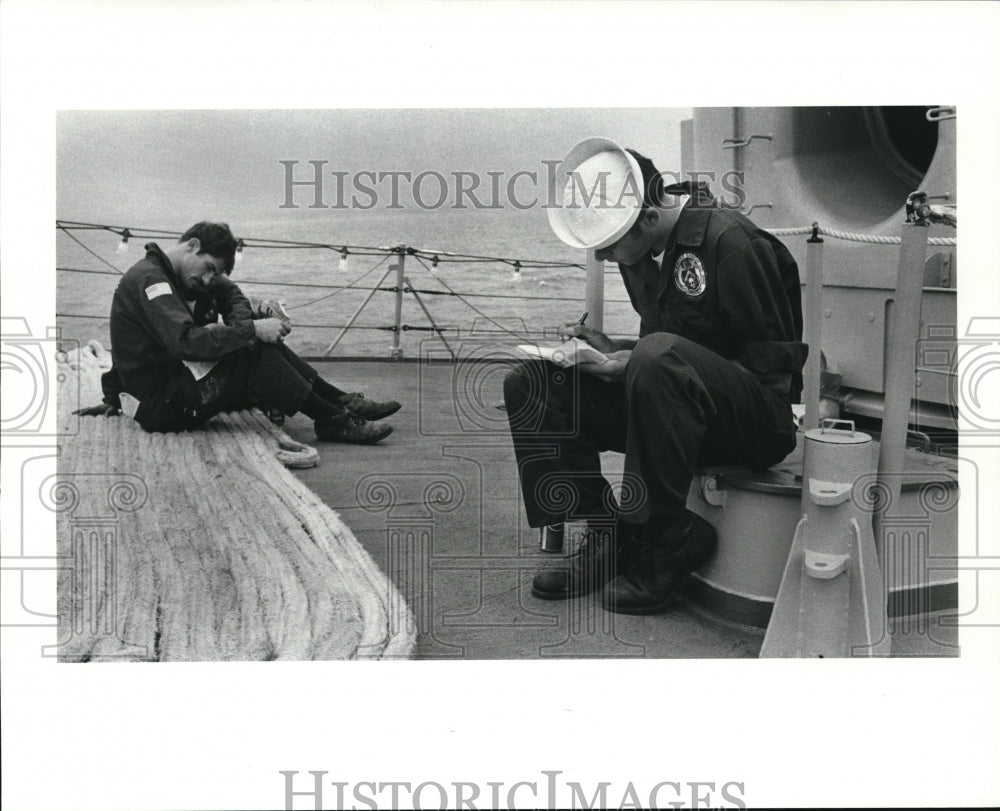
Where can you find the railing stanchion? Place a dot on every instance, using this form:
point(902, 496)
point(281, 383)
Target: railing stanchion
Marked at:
point(396, 351)
point(813, 330)
point(595, 292)
point(900, 372)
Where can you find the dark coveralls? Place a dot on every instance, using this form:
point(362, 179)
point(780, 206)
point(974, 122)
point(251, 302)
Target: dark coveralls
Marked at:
point(154, 329)
point(709, 382)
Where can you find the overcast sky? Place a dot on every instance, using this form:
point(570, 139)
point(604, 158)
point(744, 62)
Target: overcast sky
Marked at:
point(136, 167)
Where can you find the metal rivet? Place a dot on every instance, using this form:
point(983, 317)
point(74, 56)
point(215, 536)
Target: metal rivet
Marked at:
point(871, 316)
point(826, 313)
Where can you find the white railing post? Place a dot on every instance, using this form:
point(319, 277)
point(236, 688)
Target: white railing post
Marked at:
point(900, 371)
point(396, 351)
point(595, 292)
point(813, 330)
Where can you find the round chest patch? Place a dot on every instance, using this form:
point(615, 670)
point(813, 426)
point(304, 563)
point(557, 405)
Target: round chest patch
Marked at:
point(689, 275)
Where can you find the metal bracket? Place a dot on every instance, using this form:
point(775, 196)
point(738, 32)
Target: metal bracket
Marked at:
point(940, 114)
point(711, 492)
point(830, 424)
point(822, 566)
point(829, 494)
point(921, 437)
point(920, 212)
point(747, 209)
point(736, 143)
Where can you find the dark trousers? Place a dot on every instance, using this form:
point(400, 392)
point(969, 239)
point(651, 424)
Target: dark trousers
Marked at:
point(268, 374)
point(679, 407)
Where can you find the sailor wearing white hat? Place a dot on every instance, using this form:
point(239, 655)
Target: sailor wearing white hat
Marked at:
point(709, 381)
point(601, 194)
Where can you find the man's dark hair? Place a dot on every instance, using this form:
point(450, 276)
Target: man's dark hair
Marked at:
point(654, 190)
point(652, 183)
point(216, 240)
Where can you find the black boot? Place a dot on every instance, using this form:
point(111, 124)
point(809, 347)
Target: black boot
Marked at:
point(588, 568)
point(368, 409)
point(349, 428)
point(659, 563)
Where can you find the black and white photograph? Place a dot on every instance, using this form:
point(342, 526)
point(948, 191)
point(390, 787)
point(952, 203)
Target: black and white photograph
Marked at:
point(405, 339)
point(408, 406)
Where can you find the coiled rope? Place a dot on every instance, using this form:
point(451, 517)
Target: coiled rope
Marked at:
point(279, 576)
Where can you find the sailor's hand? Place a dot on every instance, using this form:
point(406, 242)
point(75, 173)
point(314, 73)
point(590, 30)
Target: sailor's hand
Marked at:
point(594, 337)
point(271, 330)
point(612, 370)
point(272, 308)
point(102, 410)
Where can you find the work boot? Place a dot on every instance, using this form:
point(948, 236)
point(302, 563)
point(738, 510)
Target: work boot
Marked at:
point(350, 428)
point(587, 569)
point(660, 561)
point(370, 410)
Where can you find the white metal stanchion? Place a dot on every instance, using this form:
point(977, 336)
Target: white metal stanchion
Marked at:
point(813, 317)
point(396, 351)
point(900, 376)
point(595, 292)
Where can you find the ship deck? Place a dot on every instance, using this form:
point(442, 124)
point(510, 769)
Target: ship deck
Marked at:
point(437, 506)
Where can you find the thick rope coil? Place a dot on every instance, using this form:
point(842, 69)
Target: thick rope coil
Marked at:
point(227, 557)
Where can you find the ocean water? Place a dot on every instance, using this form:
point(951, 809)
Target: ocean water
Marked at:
point(494, 304)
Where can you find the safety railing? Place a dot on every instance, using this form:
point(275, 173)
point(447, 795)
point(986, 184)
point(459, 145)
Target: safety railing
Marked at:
point(429, 260)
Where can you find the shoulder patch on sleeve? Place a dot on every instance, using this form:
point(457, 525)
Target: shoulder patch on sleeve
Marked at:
point(158, 289)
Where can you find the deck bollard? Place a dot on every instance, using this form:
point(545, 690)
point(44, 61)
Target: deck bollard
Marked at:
point(831, 601)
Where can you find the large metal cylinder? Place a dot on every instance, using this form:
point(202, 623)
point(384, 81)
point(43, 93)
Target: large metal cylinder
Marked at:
point(847, 167)
point(850, 169)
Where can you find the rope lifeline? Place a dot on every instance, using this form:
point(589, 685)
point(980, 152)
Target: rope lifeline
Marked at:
point(355, 250)
point(849, 237)
point(420, 254)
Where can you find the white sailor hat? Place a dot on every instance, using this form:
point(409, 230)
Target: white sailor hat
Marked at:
point(601, 194)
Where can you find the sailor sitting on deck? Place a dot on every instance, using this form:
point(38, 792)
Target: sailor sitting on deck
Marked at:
point(184, 367)
point(710, 381)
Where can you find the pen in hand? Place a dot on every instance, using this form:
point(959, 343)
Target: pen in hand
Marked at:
point(579, 323)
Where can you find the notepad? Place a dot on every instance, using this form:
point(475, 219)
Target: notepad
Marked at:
point(564, 354)
point(199, 368)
